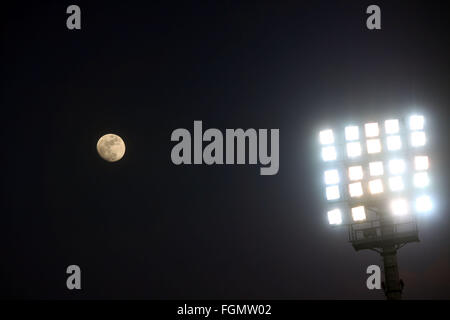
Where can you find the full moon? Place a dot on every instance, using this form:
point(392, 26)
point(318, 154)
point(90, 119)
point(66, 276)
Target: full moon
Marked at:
point(111, 147)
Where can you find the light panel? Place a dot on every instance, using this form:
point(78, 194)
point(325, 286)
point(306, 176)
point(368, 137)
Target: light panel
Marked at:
point(394, 143)
point(396, 183)
point(376, 186)
point(353, 149)
point(376, 168)
point(372, 129)
point(399, 207)
point(355, 189)
point(423, 204)
point(355, 173)
point(326, 136)
point(418, 139)
point(331, 176)
point(391, 126)
point(397, 166)
point(379, 163)
point(359, 213)
point(421, 180)
point(335, 217)
point(351, 133)
point(333, 193)
point(373, 146)
point(329, 153)
point(416, 122)
point(421, 163)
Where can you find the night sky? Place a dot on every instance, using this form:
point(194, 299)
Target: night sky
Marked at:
point(144, 228)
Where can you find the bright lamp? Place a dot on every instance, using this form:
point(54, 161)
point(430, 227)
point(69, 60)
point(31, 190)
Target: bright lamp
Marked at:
point(373, 146)
point(355, 189)
point(376, 168)
point(376, 186)
point(372, 129)
point(326, 137)
point(397, 166)
point(333, 193)
point(396, 183)
point(335, 217)
point(329, 153)
point(418, 139)
point(353, 149)
point(331, 176)
point(391, 126)
point(421, 163)
point(351, 133)
point(423, 204)
point(421, 179)
point(359, 213)
point(416, 122)
point(355, 173)
point(399, 207)
point(394, 143)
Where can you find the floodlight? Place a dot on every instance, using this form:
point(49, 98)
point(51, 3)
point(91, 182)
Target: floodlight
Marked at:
point(333, 193)
point(416, 122)
point(418, 138)
point(353, 149)
point(351, 133)
point(331, 176)
point(372, 129)
point(373, 146)
point(399, 207)
point(396, 183)
point(394, 143)
point(335, 216)
point(421, 179)
point(423, 204)
point(355, 189)
point(379, 166)
point(376, 186)
point(397, 166)
point(376, 168)
point(329, 153)
point(421, 163)
point(359, 213)
point(391, 126)
point(355, 173)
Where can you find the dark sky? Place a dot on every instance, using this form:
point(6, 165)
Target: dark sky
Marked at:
point(145, 228)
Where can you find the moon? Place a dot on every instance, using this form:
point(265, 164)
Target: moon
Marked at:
point(111, 147)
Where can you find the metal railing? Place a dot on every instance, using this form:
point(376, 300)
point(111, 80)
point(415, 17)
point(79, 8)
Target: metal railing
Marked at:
point(379, 230)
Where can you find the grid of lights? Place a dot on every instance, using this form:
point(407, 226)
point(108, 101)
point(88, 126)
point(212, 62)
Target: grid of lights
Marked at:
point(383, 160)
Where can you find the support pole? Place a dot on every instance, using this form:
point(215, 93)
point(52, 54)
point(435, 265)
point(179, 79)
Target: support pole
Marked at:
point(393, 285)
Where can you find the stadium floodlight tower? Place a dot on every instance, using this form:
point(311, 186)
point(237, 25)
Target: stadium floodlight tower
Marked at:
point(376, 182)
